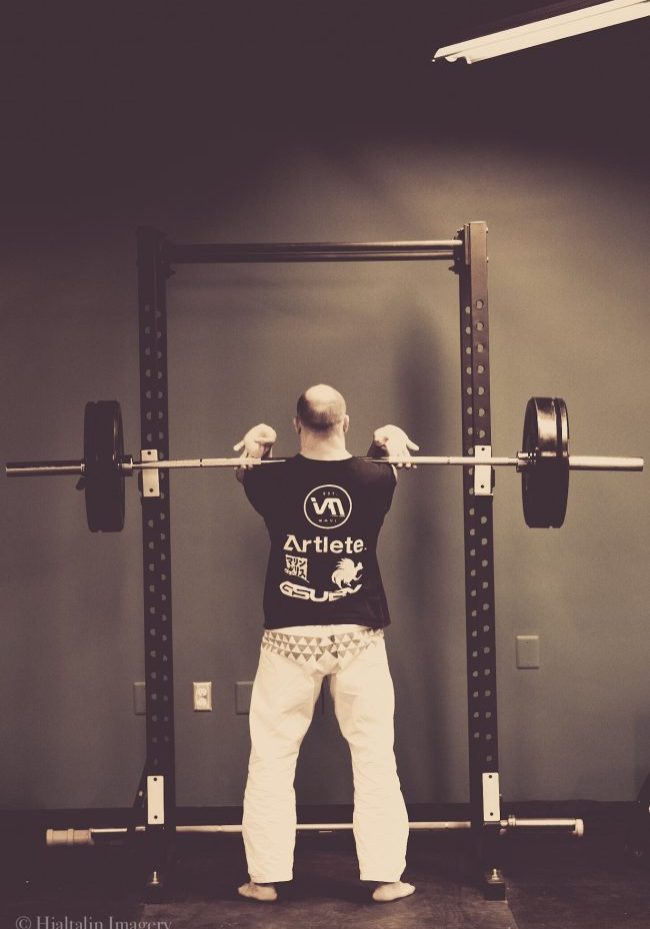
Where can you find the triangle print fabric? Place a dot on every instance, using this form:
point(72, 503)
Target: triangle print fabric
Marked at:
point(310, 650)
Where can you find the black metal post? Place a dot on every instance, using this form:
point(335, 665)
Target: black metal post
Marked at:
point(157, 788)
point(471, 266)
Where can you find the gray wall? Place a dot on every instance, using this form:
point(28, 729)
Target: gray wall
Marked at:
point(568, 282)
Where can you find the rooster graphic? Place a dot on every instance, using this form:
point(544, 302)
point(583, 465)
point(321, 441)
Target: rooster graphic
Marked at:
point(346, 573)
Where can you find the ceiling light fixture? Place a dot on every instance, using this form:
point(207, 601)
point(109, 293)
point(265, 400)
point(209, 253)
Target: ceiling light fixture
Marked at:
point(544, 29)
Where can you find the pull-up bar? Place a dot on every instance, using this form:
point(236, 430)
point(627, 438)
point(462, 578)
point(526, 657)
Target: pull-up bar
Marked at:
point(445, 250)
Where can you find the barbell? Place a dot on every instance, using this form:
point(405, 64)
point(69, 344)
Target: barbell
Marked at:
point(544, 464)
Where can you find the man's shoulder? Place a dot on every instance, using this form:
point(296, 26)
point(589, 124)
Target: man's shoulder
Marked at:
point(374, 471)
point(266, 470)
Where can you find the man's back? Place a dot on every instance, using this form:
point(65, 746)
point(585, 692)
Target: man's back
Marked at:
point(323, 518)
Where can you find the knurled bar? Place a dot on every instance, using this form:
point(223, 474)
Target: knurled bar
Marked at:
point(156, 529)
point(479, 549)
point(446, 250)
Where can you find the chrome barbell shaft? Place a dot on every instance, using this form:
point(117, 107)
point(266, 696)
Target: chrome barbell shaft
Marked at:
point(576, 463)
point(466, 461)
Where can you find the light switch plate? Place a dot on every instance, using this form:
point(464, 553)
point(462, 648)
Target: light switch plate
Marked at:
point(528, 651)
point(139, 698)
point(243, 691)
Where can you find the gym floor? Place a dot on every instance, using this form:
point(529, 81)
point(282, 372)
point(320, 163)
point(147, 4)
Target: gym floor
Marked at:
point(553, 881)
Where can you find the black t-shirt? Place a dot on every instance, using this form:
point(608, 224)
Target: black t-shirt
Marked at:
point(323, 519)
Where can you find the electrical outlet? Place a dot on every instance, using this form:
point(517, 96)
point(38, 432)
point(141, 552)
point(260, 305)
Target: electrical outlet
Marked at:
point(202, 695)
point(528, 651)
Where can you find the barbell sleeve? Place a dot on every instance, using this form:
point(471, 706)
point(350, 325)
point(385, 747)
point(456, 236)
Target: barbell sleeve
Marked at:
point(601, 463)
point(44, 468)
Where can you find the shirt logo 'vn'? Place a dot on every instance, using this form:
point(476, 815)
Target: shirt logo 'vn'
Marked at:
point(327, 506)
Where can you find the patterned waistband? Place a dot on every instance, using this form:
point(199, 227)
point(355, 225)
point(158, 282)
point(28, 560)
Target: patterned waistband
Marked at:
point(311, 648)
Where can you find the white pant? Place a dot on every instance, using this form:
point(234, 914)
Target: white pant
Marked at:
point(282, 704)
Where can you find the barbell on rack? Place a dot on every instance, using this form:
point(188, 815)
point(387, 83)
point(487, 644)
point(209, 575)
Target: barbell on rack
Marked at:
point(544, 464)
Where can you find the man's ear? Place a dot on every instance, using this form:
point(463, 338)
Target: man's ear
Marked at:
point(346, 423)
point(296, 424)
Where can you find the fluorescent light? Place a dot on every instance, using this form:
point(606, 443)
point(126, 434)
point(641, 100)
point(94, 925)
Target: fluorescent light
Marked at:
point(550, 29)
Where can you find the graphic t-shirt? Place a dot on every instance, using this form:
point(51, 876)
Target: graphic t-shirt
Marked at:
point(323, 519)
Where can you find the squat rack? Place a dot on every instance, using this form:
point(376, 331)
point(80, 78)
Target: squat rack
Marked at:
point(157, 257)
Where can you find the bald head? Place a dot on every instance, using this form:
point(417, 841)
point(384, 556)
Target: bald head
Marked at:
point(321, 409)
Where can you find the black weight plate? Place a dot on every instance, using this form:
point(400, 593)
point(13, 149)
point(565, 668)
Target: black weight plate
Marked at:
point(103, 478)
point(545, 481)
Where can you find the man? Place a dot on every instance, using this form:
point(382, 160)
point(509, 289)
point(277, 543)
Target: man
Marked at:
point(324, 614)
